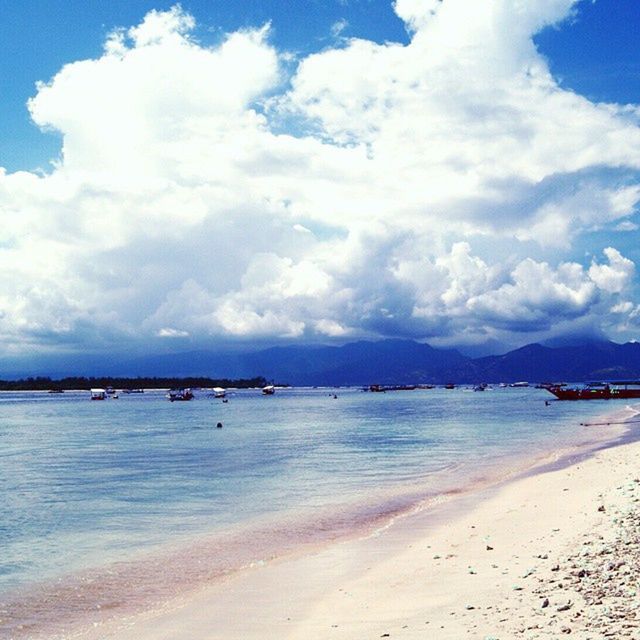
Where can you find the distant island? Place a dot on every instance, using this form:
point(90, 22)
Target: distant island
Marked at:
point(403, 362)
point(363, 363)
point(43, 383)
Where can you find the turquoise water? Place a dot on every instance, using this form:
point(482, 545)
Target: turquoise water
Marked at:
point(133, 486)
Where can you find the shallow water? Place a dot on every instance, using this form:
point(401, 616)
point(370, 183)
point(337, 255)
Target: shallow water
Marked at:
point(137, 499)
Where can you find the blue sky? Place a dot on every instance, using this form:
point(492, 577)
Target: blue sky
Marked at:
point(257, 172)
point(39, 37)
point(595, 53)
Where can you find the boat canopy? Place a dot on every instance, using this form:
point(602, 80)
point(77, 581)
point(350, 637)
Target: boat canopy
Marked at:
point(616, 383)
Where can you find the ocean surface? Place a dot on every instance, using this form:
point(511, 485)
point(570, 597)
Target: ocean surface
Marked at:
point(110, 506)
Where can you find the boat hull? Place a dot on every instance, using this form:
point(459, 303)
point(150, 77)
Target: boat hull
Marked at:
point(181, 395)
point(597, 393)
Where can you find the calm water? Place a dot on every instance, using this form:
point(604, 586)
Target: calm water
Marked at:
point(133, 486)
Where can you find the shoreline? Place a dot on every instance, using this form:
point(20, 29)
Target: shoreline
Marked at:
point(484, 571)
point(308, 579)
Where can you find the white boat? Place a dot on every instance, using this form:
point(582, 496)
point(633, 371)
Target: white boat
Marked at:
point(98, 394)
point(269, 390)
point(219, 392)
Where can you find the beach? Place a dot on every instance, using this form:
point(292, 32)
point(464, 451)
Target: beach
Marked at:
point(550, 553)
point(488, 517)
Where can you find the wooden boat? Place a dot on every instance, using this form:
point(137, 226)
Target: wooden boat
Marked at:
point(180, 395)
point(381, 388)
point(623, 390)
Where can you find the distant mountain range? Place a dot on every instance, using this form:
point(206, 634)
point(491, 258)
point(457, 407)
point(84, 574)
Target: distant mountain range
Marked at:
point(401, 362)
point(362, 363)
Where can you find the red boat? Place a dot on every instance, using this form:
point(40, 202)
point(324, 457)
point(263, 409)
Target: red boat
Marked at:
point(624, 389)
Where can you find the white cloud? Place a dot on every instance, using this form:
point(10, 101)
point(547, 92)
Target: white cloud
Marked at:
point(338, 27)
point(612, 277)
point(160, 26)
point(537, 296)
point(626, 225)
point(239, 320)
point(186, 202)
point(331, 328)
point(170, 332)
point(622, 307)
point(587, 206)
point(416, 13)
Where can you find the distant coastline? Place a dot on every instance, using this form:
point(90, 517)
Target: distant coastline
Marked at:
point(44, 383)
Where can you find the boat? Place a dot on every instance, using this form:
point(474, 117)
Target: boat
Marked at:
point(518, 385)
point(450, 385)
point(180, 395)
point(98, 394)
point(480, 387)
point(382, 388)
point(623, 390)
point(219, 392)
point(269, 390)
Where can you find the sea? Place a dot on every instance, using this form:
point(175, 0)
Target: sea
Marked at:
point(111, 507)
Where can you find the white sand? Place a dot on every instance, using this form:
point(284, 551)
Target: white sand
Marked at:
point(425, 577)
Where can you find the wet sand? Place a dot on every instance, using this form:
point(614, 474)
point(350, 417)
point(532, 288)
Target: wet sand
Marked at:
point(541, 556)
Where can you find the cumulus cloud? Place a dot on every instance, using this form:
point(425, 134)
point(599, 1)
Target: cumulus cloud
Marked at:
point(615, 276)
point(201, 192)
point(416, 13)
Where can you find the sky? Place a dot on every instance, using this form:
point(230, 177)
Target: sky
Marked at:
point(214, 174)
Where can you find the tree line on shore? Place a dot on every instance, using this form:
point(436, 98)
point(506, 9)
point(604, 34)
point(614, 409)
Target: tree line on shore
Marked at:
point(43, 383)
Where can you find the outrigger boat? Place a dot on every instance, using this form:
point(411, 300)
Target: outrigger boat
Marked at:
point(178, 395)
point(623, 389)
point(381, 388)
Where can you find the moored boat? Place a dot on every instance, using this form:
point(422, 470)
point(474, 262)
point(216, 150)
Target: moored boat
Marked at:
point(98, 394)
point(219, 392)
point(381, 388)
point(269, 390)
point(624, 389)
point(180, 395)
